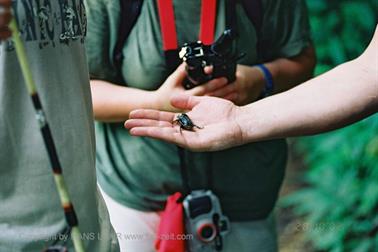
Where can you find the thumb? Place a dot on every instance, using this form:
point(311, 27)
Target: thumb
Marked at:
point(179, 74)
point(185, 102)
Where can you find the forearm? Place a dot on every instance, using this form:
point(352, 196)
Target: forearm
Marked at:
point(113, 103)
point(286, 73)
point(289, 72)
point(332, 100)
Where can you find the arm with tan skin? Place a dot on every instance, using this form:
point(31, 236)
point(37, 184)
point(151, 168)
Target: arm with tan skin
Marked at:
point(5, 17)
point(113, 103)
point(335, 99)
point(342, 96)
point(286, 72)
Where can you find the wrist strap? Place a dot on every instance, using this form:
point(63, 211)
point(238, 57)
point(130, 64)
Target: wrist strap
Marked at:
point(269, 84)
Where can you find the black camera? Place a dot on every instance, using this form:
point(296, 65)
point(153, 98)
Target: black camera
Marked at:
point(219, 55)
point(205, 221)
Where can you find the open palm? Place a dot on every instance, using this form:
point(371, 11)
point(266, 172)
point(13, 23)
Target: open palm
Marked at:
point(216, 117)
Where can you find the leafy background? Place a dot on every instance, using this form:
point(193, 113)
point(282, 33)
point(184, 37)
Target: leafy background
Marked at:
point(338, 204)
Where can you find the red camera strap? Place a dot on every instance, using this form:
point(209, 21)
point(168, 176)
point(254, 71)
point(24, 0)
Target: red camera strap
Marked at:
point(168, 24)
point(208, 13)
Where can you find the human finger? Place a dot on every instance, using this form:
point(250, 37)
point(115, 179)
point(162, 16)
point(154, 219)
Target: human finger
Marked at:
point(152, 114)
point(223, 91)
point(233, 96)
point(179, 74)
point(208, 69)
point(185, 102)
point(131, 123)
point(168, 134)
point(210, 86)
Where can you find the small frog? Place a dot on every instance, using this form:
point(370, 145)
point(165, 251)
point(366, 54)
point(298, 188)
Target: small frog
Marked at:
point(185, 122)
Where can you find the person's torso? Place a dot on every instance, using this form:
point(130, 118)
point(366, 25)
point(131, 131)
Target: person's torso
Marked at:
point(141, 172)
point(30, 211)
point(143, 50)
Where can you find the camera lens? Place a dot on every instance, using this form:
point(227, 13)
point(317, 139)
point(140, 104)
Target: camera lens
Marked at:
point(206, 232)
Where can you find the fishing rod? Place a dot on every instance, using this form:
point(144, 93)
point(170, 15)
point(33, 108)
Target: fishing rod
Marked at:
point(60, 183)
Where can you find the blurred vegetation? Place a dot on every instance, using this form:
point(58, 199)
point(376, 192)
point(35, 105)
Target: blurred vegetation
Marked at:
point(341, 29)
point(340, 202)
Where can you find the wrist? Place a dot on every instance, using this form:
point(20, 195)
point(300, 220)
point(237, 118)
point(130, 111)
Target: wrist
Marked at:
point(259, 81)
point(252, 123)
point(242, 122)
point(268, 81)
point(250, 84)
point(156, 100)
point(161, 101)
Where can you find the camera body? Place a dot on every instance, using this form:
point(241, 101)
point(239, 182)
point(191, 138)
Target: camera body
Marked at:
point(205, 221)
point(219, 55)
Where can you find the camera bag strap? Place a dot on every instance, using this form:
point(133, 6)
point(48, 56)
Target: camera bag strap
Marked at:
point(129, 13)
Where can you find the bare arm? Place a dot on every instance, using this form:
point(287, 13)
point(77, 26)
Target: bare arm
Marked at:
point(113, 103)
point(286, 73)
point(335, 99)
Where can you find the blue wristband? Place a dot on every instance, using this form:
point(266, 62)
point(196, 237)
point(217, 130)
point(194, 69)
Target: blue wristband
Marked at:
point(269, 84)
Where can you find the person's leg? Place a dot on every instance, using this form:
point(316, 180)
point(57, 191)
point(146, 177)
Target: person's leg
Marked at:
point(252, 236)
point(136, 230)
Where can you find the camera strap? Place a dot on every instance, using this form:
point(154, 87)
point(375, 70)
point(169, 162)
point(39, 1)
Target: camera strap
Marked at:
point(169, 34)
point(131, 9)
point(185, 172)
point(171, 53)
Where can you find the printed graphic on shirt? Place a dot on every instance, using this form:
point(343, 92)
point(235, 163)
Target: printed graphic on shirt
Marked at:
point(48, 22)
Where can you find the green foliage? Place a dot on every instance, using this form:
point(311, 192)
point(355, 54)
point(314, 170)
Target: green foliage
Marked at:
point(340, 203)
point(341, 29)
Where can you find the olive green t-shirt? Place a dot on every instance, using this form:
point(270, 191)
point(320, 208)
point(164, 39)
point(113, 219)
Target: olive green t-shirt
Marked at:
point(31, 215)
point(141, 172)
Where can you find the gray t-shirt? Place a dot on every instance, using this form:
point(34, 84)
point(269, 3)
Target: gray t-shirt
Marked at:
point(30, 211)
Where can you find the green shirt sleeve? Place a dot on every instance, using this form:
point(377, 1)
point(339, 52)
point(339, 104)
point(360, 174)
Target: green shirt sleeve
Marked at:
point(285, 30)
point(99, 40)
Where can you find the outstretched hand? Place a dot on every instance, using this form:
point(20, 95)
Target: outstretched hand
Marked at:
point(216, 117)
point(173, 87)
